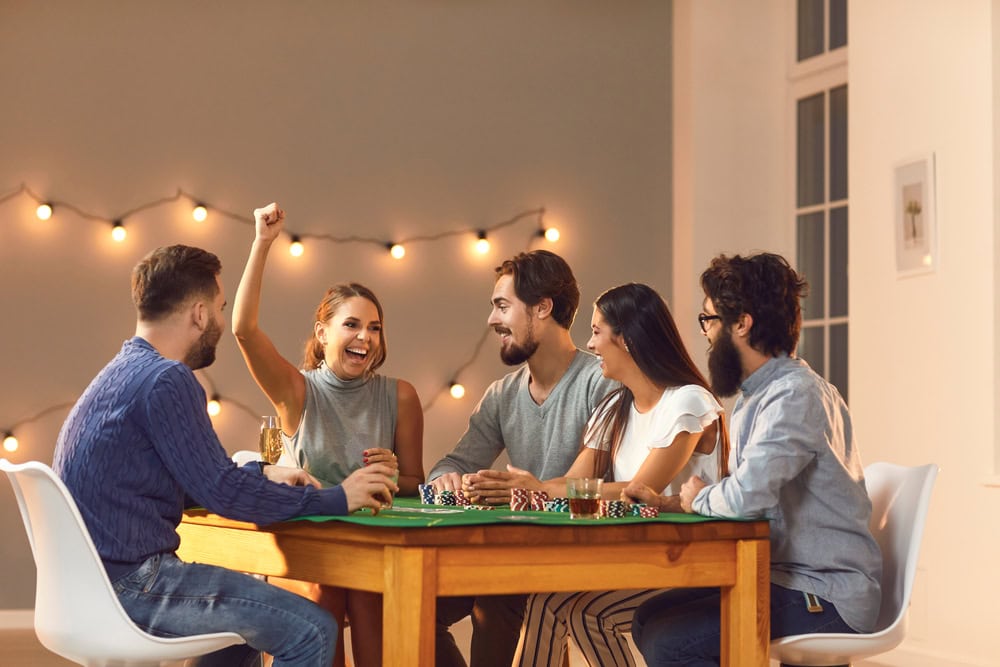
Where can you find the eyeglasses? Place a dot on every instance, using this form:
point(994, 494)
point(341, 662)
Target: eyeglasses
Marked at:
point(704, 318)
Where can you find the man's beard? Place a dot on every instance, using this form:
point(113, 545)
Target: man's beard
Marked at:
point(725, 368)
point(202, 353)
point(514, 354)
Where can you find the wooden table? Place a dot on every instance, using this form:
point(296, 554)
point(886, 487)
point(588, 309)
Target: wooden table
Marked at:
point(410, 566)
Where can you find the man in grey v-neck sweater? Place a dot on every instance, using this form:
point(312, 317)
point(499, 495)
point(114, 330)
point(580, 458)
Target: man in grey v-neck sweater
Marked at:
point(536, 413)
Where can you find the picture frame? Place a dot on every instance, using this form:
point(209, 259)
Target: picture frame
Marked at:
point(915, 223)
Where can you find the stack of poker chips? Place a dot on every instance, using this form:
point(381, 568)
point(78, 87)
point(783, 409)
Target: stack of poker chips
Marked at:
point(557, 505)
point(446, 498)
point(538, 499)
point(637, 508)
point(426, 493)
point(520, 500)
point(647, 512)
point(617, 509)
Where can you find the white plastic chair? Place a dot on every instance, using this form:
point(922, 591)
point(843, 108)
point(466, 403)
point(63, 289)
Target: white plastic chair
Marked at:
point(900, 498)
point(77, 614)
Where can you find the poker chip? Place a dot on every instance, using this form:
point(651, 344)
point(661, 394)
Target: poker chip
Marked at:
point(617, 509)
point(478, 507)
point(602, 509)
point(461, 498)
point(520, 500)
point(637, 509)
point(538, 499)
point(426, 493)
point(557, 505)
point(447, 498)
point(649, 512)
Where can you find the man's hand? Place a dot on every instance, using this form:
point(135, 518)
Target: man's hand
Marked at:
point(290, 476)
point(371, 486)
point(268, 222)
point(689, 490)
point(450, 481)
point(492, 487)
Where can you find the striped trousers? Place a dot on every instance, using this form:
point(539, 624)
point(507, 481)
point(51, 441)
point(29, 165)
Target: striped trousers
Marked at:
point(598, 621)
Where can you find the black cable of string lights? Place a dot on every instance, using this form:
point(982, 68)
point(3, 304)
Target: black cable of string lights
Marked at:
point(47, 207)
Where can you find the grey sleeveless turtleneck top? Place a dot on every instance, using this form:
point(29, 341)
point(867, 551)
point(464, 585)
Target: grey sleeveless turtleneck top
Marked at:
point(341, 419)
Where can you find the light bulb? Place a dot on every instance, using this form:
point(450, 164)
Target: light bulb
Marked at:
point(552, 234)
point(296, 248)
point(199, 213)
point(10, 443)
point(396, 250)
point(482, 244)
point(118, 232)
point(44, 211)
point(457, 390)
point(214, 407)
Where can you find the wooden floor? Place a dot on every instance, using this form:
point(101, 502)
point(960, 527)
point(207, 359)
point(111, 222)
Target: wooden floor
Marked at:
point(21, 647)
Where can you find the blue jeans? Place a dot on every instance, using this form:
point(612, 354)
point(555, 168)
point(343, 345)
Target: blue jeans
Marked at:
point(680, 627)
point(169, 598)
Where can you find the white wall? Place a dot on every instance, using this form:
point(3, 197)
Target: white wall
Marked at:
point(923, 376)
point(383, 119)
point(923, 366)
point(730, 185)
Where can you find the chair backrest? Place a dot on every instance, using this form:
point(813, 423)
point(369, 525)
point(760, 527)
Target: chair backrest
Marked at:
point(77, 614)
point(900, 497)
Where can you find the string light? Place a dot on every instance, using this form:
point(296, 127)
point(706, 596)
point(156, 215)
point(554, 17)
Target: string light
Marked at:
point(199, 213)
point(482, 243)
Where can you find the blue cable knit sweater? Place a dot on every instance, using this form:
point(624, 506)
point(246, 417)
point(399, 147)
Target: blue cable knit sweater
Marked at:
point(138, 447)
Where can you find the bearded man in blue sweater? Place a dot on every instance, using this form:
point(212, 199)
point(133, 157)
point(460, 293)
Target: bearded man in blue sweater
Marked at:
point(138, 447)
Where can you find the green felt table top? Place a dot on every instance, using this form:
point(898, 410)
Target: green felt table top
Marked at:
point(411, 513)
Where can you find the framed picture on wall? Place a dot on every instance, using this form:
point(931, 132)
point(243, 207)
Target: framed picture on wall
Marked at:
point(915, 220)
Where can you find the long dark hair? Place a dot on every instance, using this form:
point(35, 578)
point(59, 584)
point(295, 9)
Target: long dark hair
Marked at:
point(639, 315)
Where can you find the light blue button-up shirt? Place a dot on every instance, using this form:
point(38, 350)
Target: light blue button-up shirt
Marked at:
point(795, 462)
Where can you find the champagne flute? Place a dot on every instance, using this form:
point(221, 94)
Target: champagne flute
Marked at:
point(270, 438)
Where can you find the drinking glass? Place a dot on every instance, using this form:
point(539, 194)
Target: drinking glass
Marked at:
point(270, 438)
point(584, 495)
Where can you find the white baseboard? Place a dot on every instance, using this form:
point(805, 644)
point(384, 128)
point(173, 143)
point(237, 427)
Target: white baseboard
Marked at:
point(17, 619)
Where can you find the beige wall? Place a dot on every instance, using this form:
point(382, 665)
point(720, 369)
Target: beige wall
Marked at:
point(382, 119)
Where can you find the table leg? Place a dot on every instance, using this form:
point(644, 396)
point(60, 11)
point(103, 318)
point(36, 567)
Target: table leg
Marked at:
point(409, 606)
point(746, 607)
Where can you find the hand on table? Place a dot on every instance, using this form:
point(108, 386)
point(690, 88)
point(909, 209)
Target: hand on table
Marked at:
point(689, 490)
point(290, 476)
point(371, 486)
point(492, 487)
point(449, 481)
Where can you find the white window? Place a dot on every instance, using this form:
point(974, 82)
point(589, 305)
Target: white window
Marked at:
point(818, 92)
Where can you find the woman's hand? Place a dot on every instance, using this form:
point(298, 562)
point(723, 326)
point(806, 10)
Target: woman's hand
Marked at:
point(268, 222)
point(380, 455)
